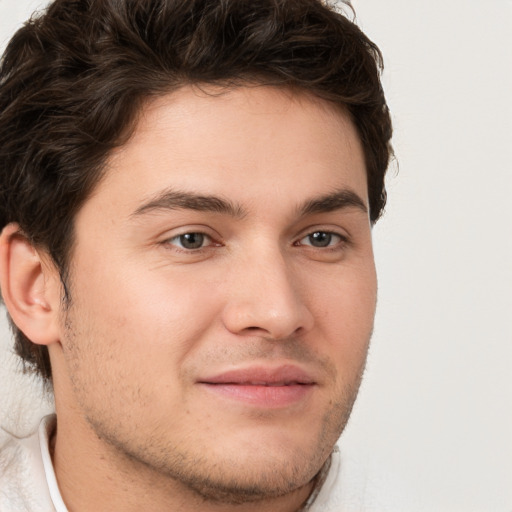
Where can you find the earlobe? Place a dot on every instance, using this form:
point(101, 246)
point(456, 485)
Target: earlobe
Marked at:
point(30, 287)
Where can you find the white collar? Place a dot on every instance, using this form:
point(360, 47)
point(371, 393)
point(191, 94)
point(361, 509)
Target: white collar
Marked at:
point(46, 429)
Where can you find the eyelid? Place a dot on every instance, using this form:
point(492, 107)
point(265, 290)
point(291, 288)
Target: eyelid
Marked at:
point(166, 238)
point(338, 232)
point(177, 237)
point(340, 240)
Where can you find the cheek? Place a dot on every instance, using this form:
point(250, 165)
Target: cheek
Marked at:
point(128, 339)
point(152, 313)
point(345, 315)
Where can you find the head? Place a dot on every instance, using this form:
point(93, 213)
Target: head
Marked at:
point(152, 153)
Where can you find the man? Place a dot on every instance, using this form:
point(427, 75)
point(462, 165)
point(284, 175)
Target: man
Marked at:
point(187, 195)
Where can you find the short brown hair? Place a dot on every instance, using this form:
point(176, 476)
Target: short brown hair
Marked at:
point(73, 78)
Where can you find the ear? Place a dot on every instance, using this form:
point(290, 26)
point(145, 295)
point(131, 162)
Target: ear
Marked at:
point(30, 286)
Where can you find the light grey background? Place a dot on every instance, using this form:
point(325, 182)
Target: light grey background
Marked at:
point(434, 417)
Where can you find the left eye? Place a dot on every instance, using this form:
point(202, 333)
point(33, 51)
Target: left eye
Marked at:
point(191, 240)
point(321, 239)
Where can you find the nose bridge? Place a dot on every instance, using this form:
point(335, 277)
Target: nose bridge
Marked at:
point(265, 295)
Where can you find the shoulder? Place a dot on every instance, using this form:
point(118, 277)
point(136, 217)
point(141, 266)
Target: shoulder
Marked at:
point(22, 478)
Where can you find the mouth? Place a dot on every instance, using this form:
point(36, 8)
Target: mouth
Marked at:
point(264, 387)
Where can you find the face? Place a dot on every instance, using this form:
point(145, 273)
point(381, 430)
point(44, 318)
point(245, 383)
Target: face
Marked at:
point(223, 291)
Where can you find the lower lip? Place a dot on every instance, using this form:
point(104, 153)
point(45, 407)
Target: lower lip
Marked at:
point(271, 397)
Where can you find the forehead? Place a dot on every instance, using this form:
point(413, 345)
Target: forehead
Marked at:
point(255, 143)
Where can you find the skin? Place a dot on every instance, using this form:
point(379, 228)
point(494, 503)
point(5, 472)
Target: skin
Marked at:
point(151, 319)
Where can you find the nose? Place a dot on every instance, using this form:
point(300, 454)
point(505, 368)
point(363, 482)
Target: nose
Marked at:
point(266, 299)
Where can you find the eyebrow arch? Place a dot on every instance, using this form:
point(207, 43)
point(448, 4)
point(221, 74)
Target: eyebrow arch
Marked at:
point(335, 201)
point(176, 200)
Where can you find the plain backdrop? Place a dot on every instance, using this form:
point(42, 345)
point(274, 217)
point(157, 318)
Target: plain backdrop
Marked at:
point(434, 415)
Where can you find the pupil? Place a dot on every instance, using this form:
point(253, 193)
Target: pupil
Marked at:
point(192, 240)
point(320, 239)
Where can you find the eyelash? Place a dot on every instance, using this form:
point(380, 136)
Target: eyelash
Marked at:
point(169, 241)
point(342, 241)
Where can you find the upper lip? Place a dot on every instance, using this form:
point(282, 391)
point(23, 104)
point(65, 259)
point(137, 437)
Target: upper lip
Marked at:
point(262, 376)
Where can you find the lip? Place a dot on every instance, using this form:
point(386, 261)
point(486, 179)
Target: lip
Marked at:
point(262, 386)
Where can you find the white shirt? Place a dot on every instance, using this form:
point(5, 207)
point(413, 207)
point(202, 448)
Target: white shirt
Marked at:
point(28, 483)
point(27, 479)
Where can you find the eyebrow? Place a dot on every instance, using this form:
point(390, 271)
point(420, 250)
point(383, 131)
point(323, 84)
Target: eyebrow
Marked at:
point(337, 200)
point(176, 200)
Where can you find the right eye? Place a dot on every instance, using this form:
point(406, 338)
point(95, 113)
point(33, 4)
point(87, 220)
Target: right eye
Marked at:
point(191, 241)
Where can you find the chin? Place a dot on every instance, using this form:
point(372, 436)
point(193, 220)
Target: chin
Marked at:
point(252, 481)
